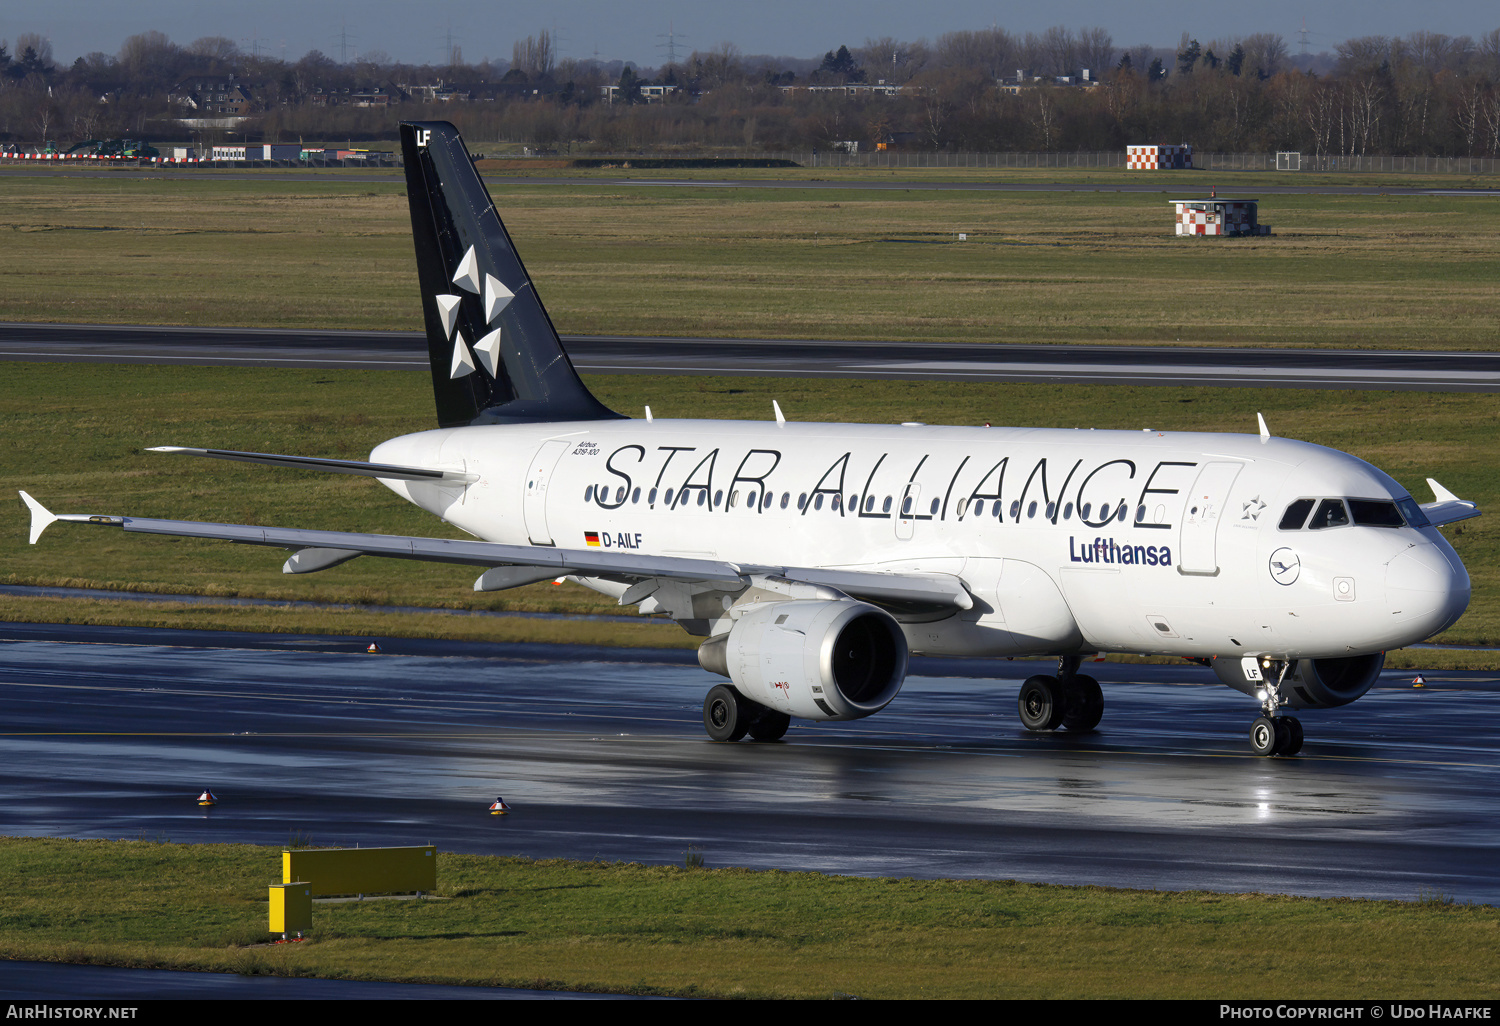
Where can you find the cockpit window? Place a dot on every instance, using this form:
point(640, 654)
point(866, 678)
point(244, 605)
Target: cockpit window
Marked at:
point(1330, 513)
point(1413, 513)
point(1296, 515)
point(1375, 513)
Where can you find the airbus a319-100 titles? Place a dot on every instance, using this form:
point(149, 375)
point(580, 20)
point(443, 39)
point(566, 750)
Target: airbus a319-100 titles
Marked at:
point(814, 558)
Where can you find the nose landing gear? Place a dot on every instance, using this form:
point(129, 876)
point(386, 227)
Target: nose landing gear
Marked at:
point(1273, 734)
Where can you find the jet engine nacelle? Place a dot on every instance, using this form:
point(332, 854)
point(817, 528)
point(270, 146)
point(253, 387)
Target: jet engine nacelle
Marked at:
point(817, 660)
point(1312, 683)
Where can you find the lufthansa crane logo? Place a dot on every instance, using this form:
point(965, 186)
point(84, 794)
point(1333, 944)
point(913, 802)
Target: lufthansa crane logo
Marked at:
point(1285, 566)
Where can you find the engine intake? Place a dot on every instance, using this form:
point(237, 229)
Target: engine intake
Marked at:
point(1313, 683)
point(833, 660)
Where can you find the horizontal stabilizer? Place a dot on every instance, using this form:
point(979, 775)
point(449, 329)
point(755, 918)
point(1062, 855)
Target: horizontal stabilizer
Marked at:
point(1448, 508)
point(389, 471)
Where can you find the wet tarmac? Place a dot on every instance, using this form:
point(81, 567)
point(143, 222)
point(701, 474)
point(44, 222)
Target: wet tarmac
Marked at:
point(112, 732)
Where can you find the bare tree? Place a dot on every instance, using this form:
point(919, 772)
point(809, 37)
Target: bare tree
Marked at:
point(1043, 115)
point(214, 48)
point(892, 59)
point(718, 67)
point(1096, 51)
point(990, 51)
point(1468, 112)
point(534, 55)
point(1264, 54)
point(1060, 49)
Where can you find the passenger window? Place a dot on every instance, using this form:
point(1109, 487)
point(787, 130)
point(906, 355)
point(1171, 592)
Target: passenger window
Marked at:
point(885, 507)
point(1296, 515)
point(1374, 513)
point(1330, 513)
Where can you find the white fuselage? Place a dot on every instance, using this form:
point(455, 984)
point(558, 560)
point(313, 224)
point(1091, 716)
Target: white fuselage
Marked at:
point(1068, 540)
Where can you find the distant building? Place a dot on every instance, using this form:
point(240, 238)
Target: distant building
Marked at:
point(878, 89)
point(649, 93)
point(213, 96)
point(1214, 216)
point(1158, 158)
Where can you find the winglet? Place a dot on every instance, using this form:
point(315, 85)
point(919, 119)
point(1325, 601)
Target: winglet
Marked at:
point(1265, 432)
point(41, 517)
point(780, 417)
point(1439, 493)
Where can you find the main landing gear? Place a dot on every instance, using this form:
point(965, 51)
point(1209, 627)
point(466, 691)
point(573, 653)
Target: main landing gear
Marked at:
point(1273, 734)
point(1071, 700)
point(729, 716)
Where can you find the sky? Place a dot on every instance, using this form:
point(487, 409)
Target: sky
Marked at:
point(417, 31)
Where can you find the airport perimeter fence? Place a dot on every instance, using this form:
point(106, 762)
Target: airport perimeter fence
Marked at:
point(897, 159)
point(904, 159)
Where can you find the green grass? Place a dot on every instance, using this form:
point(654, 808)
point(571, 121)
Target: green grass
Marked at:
point(629, 928)
point(79, 449)
point(608, 258)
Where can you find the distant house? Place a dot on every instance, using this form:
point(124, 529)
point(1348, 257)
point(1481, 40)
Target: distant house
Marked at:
point(359, 96)
point(880, 88)
point(213, 96)
point(649, 93)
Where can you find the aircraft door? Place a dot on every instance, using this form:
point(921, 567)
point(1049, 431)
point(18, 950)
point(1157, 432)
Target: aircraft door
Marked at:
point(906, 511)
point(1200, 518)
point(538, 478)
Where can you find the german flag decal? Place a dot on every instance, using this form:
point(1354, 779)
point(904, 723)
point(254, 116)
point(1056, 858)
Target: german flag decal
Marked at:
point(591, 538)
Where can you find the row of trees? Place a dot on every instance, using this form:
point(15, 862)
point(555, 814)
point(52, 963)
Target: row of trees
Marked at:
point(985, 90)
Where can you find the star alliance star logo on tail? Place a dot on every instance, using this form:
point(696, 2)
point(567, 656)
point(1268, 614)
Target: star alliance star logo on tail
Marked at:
point(496, 298)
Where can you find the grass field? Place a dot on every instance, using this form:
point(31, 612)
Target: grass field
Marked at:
point(1348, 271)
point(80, 450)
point(628, 928)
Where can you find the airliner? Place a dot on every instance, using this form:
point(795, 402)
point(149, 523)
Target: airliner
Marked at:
point(814, 559)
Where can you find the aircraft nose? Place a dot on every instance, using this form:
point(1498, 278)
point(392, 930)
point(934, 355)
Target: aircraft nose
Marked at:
point(1427, 588)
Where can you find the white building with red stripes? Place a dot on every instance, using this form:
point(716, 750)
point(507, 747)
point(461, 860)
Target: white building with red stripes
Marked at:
point(1216, 216)
point(1158, 158)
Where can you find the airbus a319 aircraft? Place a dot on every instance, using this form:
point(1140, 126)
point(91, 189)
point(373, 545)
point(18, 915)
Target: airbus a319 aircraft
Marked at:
point(814, 558)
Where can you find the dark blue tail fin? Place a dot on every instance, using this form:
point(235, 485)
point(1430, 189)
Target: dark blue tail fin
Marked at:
point(495, 356)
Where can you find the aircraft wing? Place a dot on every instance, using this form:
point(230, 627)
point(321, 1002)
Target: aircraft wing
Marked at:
point(1447, 507)
point(515, 565)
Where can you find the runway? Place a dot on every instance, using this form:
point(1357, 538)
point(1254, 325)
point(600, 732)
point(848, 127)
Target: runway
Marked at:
point(112, 732)
point(1074, 364)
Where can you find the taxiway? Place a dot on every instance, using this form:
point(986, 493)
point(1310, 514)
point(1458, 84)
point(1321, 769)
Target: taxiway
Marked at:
point(112, 732)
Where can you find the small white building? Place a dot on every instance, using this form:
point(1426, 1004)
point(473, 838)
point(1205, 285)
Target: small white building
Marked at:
point(1158, 158)
point(1214, 216)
